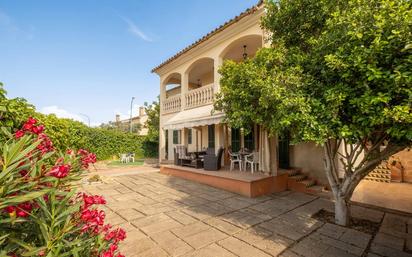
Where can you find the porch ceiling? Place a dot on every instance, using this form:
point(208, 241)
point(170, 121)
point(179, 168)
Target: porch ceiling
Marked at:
point(195, 117)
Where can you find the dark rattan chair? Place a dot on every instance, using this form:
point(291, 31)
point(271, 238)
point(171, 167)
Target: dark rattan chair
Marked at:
point(213, 161)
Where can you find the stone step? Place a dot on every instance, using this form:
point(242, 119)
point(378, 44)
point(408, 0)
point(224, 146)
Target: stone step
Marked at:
point(378, 179)
point(292, 172)
point(317, 188)
point(308, 182)
point(378, 175)
point(298, 178)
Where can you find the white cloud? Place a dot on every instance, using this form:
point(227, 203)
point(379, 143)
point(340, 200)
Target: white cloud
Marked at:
point(135, 30)
point(62, 113)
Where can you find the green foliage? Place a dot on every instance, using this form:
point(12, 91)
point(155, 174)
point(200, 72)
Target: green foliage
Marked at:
point(106, 143)
point(336, 70)
point(337, 73)
point(13, 112)
point(68, 133)
point(41, 214)
point(150, 144)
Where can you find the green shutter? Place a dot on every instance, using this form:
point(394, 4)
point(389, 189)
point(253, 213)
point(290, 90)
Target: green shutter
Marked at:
point(211, 136)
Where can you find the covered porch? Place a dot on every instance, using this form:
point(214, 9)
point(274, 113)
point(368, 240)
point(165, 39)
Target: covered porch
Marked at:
point(240, 182)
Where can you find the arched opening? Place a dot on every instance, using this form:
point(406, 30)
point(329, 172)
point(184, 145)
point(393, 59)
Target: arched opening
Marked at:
point(242, 48)
point(201, 73)
point(173, 84)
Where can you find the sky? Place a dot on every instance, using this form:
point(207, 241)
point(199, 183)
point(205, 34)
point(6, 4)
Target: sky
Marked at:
point(83, 58)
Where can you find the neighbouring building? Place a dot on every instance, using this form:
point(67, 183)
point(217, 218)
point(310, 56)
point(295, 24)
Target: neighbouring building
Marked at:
point(189, 81)
point(138, 122)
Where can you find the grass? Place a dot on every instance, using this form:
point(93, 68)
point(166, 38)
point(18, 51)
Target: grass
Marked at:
point(128, 164)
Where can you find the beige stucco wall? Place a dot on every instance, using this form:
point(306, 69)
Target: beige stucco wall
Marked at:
point(213, 48)
point(309, 157)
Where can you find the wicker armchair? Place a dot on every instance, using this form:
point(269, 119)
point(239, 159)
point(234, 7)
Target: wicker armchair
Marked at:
point(213, 161)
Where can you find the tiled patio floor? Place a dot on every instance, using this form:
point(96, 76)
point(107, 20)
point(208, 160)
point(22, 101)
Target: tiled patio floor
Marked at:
point(167, 216)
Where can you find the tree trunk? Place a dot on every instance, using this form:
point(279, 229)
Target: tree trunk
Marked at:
point(342, 211)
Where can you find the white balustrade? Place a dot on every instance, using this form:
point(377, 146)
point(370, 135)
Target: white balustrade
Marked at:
point(172, 104)
point(200, 96)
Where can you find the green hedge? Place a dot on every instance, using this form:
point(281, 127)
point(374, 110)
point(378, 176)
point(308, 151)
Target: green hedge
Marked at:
point(70, 134)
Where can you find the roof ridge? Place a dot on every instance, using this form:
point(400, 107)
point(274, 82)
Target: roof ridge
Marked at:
point(243, 14)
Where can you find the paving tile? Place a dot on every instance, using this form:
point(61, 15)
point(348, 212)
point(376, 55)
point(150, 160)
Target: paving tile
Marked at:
point(130, 214)
point(387, 251)
point(190, 229)
point(274, 245)
point(389, 241)
point(241, 248)
point(181, 217)
point(160, 226)
point(253, 235)
point(223, 226)
point(336, 252)
point(173, 245)
point(212, 250)
point(204, 238)
point(310, 248)
point(145, 221)
point(356, 238)
point(332, 230)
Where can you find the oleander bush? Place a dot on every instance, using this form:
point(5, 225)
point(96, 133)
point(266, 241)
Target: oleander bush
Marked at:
point(41, 213)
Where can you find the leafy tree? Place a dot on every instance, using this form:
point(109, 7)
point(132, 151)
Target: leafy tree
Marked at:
point(150, 144)
point(337, 73)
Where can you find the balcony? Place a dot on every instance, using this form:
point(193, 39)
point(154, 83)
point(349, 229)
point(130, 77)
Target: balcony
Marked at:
point(199, 97)
point(194, 98)
point(172, 104)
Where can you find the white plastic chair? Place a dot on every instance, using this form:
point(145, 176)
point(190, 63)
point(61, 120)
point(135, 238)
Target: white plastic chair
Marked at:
point(235, 158)
point(123, 158)
point(130, 158)
point(253, 160)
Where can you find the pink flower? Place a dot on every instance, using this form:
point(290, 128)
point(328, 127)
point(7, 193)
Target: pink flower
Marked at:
point(19, 134)
point(60, 171)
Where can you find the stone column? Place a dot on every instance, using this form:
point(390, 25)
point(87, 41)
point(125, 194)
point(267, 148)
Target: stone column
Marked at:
point(185, 89)
point(218, 61)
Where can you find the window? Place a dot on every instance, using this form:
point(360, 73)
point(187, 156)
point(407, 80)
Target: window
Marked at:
point(235, 139)
point(189, 136)
point(211, 136)
point(175, 137)
point(250, 140)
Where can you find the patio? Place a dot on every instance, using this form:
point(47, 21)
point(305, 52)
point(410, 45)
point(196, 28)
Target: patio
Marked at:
point(170, 216)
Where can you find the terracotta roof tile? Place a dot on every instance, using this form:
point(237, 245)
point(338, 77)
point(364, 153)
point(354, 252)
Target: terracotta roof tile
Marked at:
point(247, 12)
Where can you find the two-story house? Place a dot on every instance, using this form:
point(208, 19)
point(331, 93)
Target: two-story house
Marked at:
point(189, 81)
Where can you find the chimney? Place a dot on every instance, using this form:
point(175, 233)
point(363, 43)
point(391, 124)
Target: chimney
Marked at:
point(142, 111)
point(117, 117)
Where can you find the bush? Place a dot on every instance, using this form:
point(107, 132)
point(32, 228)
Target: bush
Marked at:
point(41, 214)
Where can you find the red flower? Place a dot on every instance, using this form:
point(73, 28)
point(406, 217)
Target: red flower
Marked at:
point(19, 134)
point(60, 171)
point(23, 173)
point(120, 255)
point(31, 121)
point(92, 199)
point(37, 129)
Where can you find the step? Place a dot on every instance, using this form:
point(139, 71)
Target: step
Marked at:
point(298, 178)
point(291, 172)
point(378, 179)
point(308, 182)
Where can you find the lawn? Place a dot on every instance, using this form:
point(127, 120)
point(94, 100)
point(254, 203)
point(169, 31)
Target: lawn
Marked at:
point(117, 163)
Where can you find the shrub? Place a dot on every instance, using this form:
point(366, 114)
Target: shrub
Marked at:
point(41, 214)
